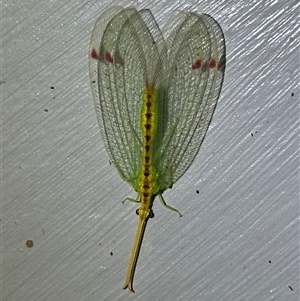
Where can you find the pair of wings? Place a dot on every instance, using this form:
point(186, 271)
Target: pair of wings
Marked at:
point(128, 53)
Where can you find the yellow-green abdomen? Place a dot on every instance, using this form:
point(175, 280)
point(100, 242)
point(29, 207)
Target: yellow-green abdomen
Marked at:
point(147, 176)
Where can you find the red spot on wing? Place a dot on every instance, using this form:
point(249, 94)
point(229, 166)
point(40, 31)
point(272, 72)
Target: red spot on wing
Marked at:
point(211, 63)
point(196, 64)
point(94, 54)
point(108, 57)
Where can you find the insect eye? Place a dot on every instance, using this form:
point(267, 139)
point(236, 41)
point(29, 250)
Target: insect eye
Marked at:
point(151, 214)
point(137, 211)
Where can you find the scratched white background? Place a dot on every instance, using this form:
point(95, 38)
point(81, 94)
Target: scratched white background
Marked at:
point(239, 237)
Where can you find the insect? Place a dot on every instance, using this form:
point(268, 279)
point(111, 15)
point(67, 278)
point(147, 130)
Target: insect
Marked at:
point(154, 98)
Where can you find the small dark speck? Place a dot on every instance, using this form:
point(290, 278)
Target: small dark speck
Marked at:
point(52, 88)
point(251, 134)
point(29, 243)
point(270, 261)
point(292, 94)
point(46, 110)
point(291, 288)
point(197, 191)
point(111, 253)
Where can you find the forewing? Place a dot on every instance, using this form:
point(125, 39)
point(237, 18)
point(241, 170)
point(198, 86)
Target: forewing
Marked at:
point(122, 62)
point(190, 89)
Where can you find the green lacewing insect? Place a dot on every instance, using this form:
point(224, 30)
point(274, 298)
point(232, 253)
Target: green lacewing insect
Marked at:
point(154, 98)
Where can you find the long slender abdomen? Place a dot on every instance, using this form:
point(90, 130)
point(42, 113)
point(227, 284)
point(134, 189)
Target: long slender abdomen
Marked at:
point(147, 181)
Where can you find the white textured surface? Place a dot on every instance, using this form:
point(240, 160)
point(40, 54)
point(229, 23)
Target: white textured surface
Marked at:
point(238, 238)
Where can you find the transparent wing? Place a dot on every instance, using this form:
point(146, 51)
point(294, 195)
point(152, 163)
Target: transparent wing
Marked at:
point(189, 90)
point(124, 58)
